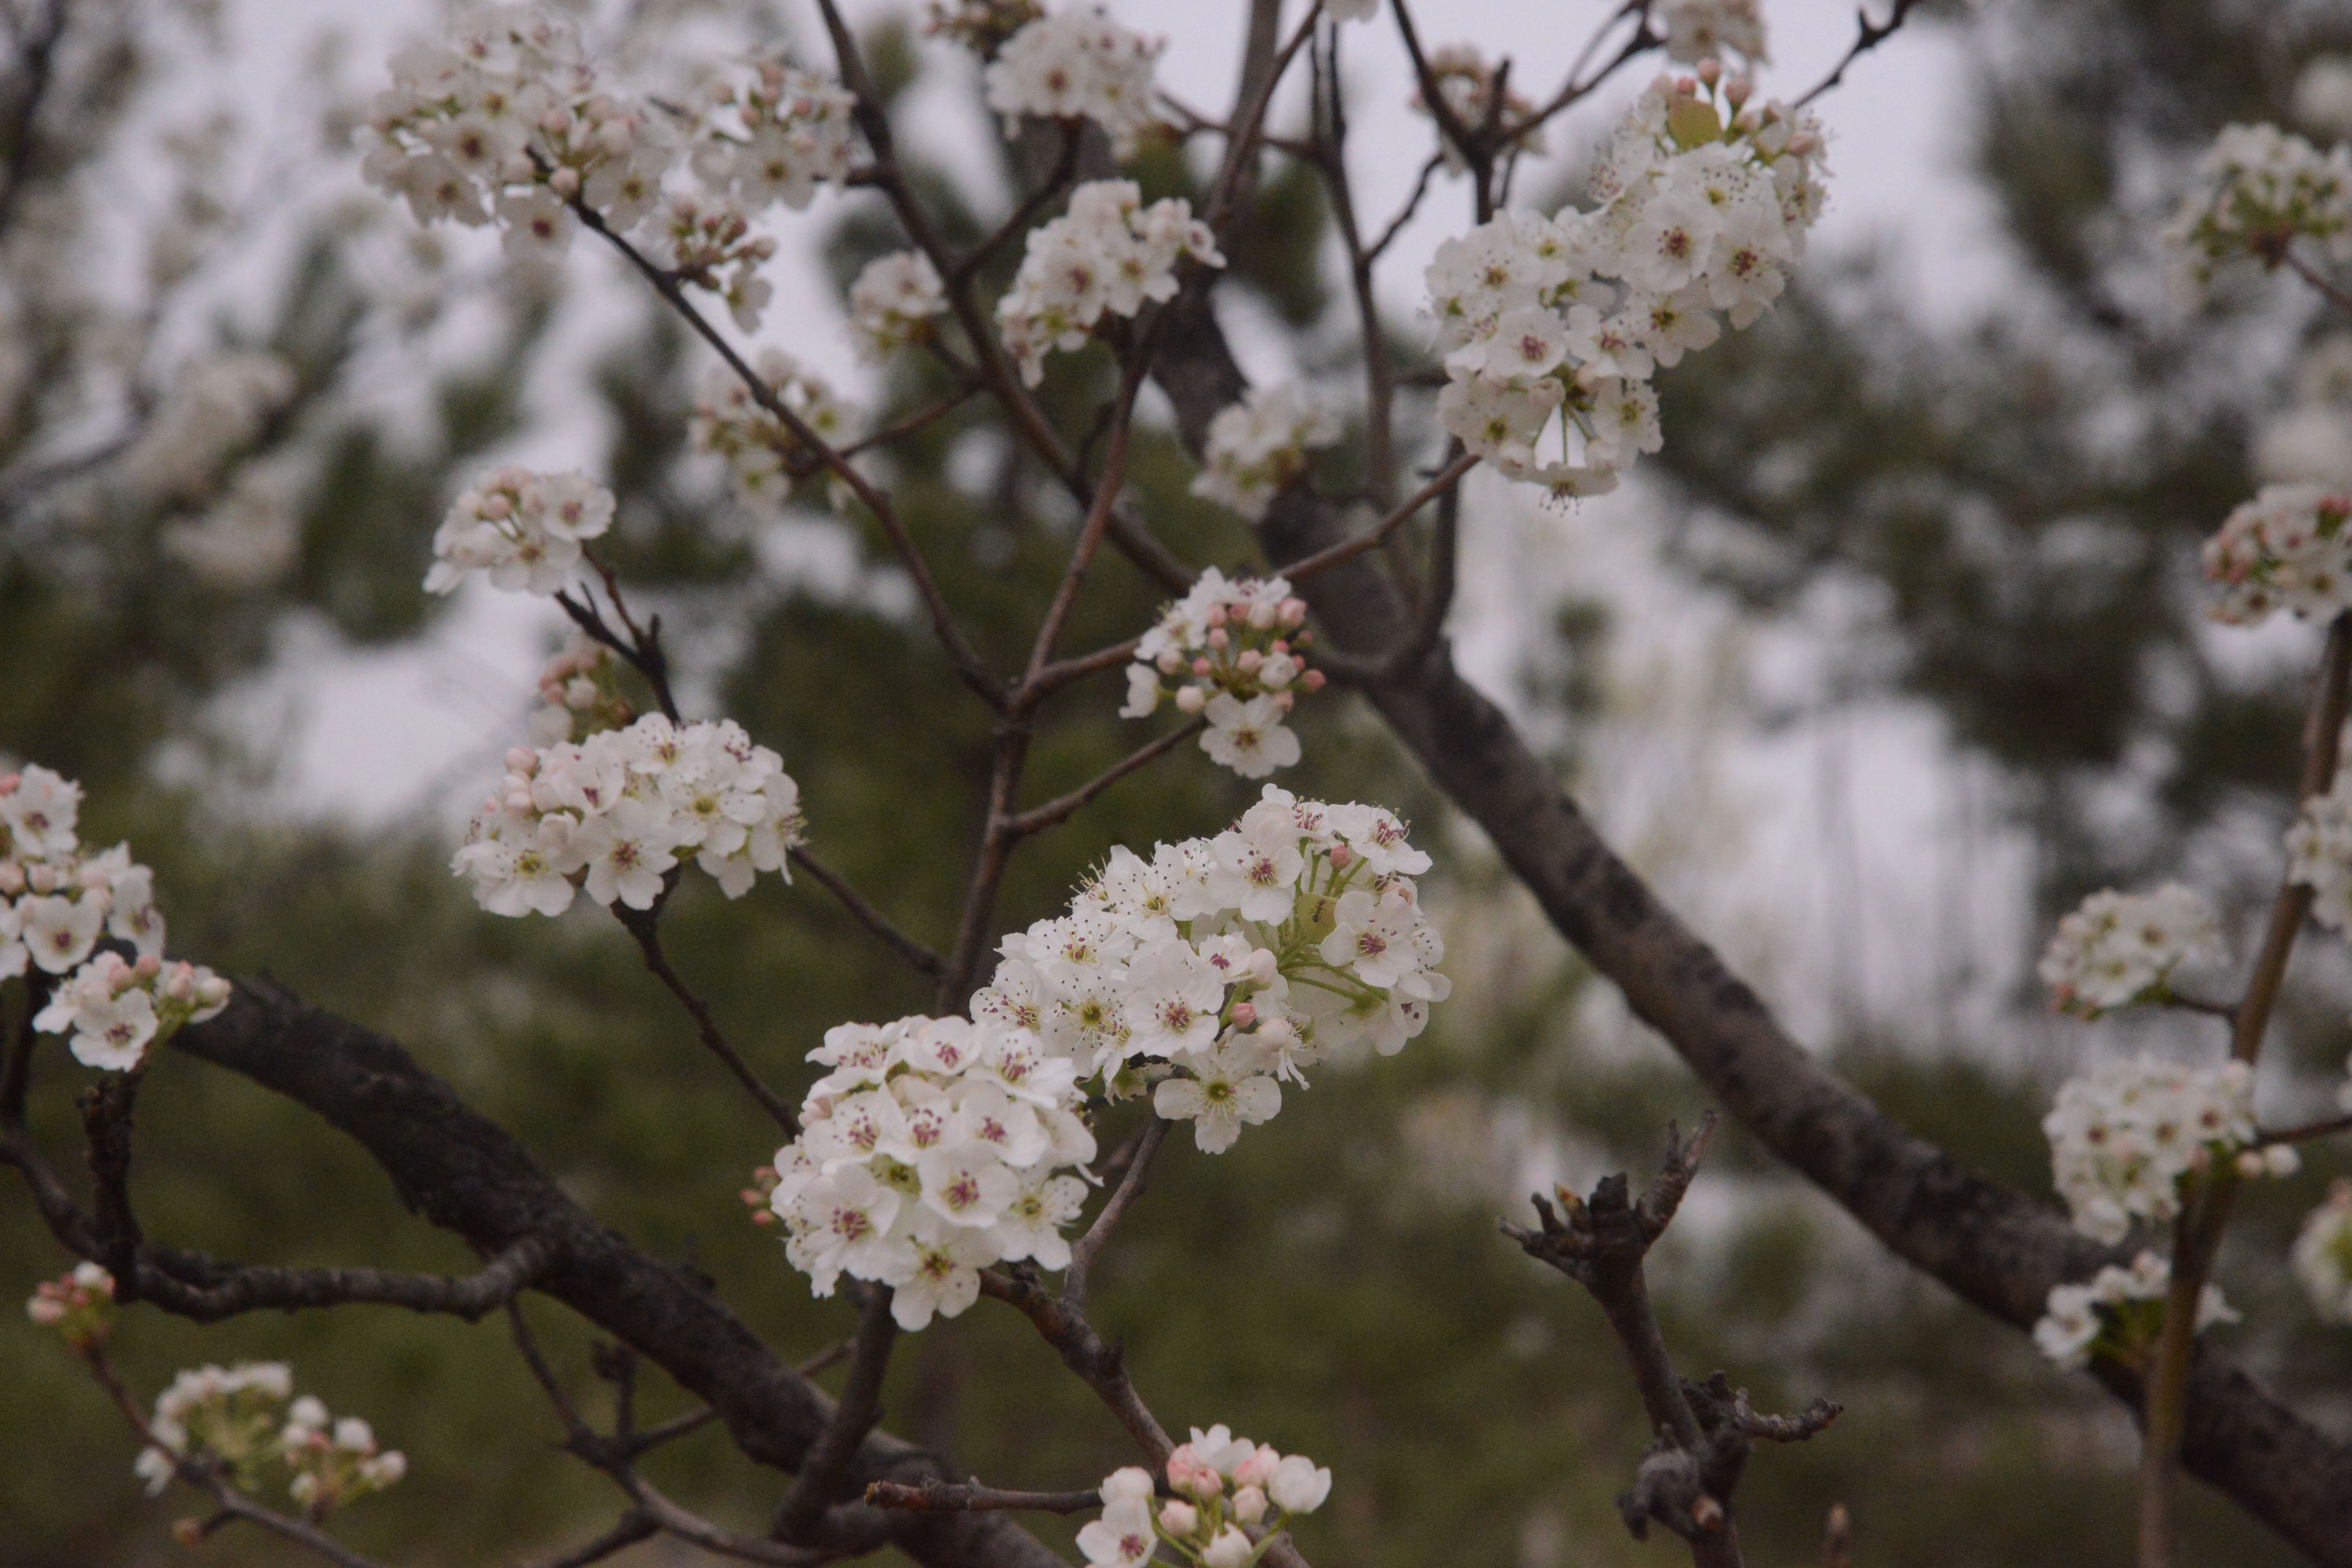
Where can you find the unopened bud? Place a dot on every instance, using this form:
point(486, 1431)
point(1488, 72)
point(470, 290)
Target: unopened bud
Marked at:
point(1217, 637)
point(1249, 1505)
point(1284, 700)
point(1263, 614)
point(1250, 660)
point(1244, 1016)
point(1294, 612)
point(1190, 698)
point(2252, 1166)
point(1710, 71)
point(1737, 90)
point(564, 182)
point(1313, 679)
point(1216, 615)
point(1169, 662)
point(148, 966)
point(1341, 857)
point(1178, 1518)
point(1201, 667)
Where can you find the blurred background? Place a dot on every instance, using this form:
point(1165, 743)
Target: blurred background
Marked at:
point(1895, 651)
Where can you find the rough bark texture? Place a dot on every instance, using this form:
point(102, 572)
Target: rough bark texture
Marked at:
point(466, 1174)
point(1996, 1247)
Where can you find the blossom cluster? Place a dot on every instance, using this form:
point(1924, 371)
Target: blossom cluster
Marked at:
point(509, 121)
point(2256, 191)
point(2323, 1255)
point(1224, 1486)
point(523, 529)
point(614, 813)
point(581, 693)
point(2286, 549)
point(934, 1148)
point(334, 1461)
point(980, 25)
point(893, 301)
point(2118, 948)
point(237, 1417)
point(2319, 851)
point(80, 1305)
point(2124, 1135)
point(1700, 30)
point(1467, 84)
point(1076, 66)
point(2119, 1313)
point(762, 452)
point(1232, 648)
point(1108, 254)
point(1259, 445)
point(56, 903)
point(1222, 965)
point(1551, 328)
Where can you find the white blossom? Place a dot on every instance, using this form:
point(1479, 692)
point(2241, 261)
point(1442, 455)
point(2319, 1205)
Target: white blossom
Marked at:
point(616, 812)
point(2256, 191)
point(522, 529)
point(2119, 948)
point(2119, 1312)
point(1707, 29)
point(893, 301)
point(2323, 1255)
point(1223, 1483)
point(763, 454)
point(1108, 254)
point(1076, 65)
point(1258, 445)
point(1551, 328)
point(2286, 549)
point(2323, 96)
point(2123, 1136)
point(1235, 654)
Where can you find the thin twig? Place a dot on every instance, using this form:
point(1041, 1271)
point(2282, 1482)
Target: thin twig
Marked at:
point(921, 959)
point(828, 1457)
point(1868, 36)
point(1066, 169)
point(2328, 290)
point(1061, 808)
point(1087, 1247)
point(1349, 549)
point(2325, 1128)
point(40, 65)
point(646, 926)
point(1062, 672)
point(631, 1528)
point(948, 1497)
point(1099, 1365)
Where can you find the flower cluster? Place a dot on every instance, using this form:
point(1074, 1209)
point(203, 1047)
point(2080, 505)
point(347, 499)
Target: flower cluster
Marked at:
point(1233, 650)
point(616, 812)
point(1222, 965)
point(2118, 948)
point(335, 1462)
point(1551, 328)
point(1224, 1486)
point(508, 121)
point(524, 529)
point(2323, 1255)
point(236, 1417)
point(893, 301)
point(1466, 82)
point(2123, 1136)
point(78, 1305)
point(2119, 1313)
point(1700, 30)
point(2319, 851)
point(1108, 254)
point(934, 1148)
point(2257, 190)
point(762, 452)
point(1260, 445)
point(980, 25)
point(57, 903)
point(581, 690)
point(1076, 66)
point(2286, 549)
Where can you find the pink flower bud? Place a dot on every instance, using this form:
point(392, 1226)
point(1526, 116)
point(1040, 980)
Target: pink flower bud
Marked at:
point(1294, 612)
point(1217, 637)
point(148, 966)
point(8, 783)
point(1250, 660)
point(1190, 698)
point(1284, 701)
point(522, 760)
point(564, 182)
point(1244, 1016)
point(1254, 1471)
point(1737, 90)
point(1201, 667)
point(1216, 615)
point(1262, 614)
point(1313, 679)
point(12, 878)
point(1710, 71)
point(1178, 1519)
point(1342, 856)
point(1189, 1472)
point(1169, 662)
point(1249, 1505)
point(2251, 1165)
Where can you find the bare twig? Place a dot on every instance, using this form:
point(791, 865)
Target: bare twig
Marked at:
point(921, 959)
point(1066, 169)
point(1087, 1247)
point(1868, 36)
point(1099, 1365)
point(2305, 1133)
point(861, 1403)
point(946, 1497)
point(646, 926)
point(631, 1528)
point(2328, 289)
point(1061, 808)
point(39, 63)
point(1349, 549)
point(1062, 672)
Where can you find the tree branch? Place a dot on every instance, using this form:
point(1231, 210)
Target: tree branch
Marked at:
point(646, 926)
point(921, 959)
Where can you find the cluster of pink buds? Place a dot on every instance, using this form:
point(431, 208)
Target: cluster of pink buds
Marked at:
point(1232, 1499)
point(580, 687)
point(79, 1306)
point(1235, 652)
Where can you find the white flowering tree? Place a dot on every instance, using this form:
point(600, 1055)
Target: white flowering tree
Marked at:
point(991, 1146)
